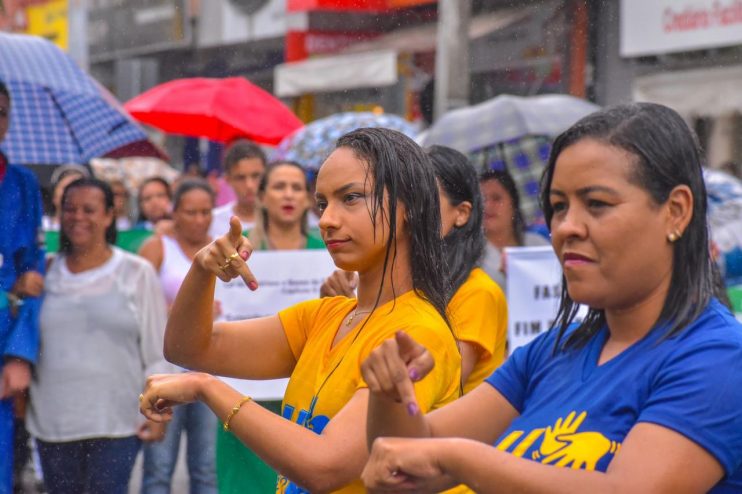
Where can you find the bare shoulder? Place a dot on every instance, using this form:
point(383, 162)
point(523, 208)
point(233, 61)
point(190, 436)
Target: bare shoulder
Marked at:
point(152, 251)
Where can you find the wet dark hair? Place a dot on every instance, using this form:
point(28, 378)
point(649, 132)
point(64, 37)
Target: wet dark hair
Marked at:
point(65, 245)
point(400, 168)
point(240, 150)
point(464, 245)
point(4, 90)
point(506, 180)
point(187, 186)
point(146, 182)
point(666, 155)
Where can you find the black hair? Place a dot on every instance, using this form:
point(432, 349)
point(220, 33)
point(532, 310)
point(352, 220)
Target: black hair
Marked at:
point(666, 155)
point(508, 183)
point(146, 182)
point(4, 90)
point(240, 150)
point(187, 186)
point(400, 168)
point(65, 245)
point(464, 245)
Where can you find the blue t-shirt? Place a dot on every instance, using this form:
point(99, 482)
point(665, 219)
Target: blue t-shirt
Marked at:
point(574, 413)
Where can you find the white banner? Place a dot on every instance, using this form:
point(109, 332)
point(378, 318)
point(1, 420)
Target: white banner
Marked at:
point(285, 278)
point(666, 26)
point(534, 286)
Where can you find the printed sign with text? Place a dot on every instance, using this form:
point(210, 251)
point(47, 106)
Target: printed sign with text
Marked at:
point(284, 278)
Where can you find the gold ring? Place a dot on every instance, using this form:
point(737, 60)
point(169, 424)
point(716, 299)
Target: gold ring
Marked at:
point(233, 256)
point(226, 265)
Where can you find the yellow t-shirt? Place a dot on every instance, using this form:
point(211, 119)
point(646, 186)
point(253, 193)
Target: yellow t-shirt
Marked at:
point(479, 315)
point(311, 328)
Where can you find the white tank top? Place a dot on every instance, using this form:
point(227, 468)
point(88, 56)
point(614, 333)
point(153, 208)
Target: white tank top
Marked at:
point(175, 266)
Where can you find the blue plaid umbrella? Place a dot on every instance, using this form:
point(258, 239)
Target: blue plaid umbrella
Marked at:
point(58, 113)
point(313, 143)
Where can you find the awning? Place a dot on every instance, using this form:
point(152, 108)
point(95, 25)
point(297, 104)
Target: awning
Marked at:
point(336, 73)
point(374, 63)
point(694, 93)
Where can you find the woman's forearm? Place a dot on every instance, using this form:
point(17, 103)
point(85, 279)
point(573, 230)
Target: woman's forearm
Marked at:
point(189, 326)
point(486, 469)
point(314, 461)
point(387, 418)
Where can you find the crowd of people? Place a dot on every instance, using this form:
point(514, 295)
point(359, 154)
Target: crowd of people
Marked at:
point(399, 378)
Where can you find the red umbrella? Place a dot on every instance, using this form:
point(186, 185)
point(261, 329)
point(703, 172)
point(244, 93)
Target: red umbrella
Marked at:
point(218, 109)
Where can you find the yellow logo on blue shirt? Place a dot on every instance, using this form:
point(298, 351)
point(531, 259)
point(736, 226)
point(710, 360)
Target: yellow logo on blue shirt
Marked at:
point(562, 445)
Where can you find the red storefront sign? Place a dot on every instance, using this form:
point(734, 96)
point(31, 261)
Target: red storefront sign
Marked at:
point(305, 44)
point(352, 5)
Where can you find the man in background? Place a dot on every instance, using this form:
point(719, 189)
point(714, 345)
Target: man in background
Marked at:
point(244, 166)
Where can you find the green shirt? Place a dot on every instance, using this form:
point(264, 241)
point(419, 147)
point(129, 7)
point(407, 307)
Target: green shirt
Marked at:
point(313, 242)
point(129, 240)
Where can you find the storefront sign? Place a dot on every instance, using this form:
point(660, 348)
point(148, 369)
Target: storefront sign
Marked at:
point(667, 26)
point(337, 5)
point(285, 278)
point(301, 45)
point(134, 27)
point(534, 286)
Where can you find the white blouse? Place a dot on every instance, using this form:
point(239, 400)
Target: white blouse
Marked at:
point(102, 333)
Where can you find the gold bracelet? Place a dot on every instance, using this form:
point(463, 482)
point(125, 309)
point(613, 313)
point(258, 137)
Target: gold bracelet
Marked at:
point(234, 410)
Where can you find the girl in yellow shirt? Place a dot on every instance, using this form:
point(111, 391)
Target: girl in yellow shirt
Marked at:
point(380, 217)
point(477, 309)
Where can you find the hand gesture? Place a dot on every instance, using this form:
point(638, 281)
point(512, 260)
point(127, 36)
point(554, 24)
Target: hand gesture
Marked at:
point(227, 255)
point(164, 391)
point(397, 464)
point(340, 283)
point(393, 366)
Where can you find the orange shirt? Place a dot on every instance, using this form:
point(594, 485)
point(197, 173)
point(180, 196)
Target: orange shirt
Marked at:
point(479, 315)
point(326, 377)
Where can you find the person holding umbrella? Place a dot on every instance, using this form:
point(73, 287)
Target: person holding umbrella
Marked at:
point(21, 262)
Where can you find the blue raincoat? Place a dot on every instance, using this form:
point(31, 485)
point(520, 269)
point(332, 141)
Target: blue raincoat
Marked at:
point(20, 251)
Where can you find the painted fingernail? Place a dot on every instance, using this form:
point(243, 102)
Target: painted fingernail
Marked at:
point(412, 409)
point(245, 255)
point(414, 375)
point(253, 285)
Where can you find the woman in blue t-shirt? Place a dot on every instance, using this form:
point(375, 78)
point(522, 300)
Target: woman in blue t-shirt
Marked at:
point(644, 394)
